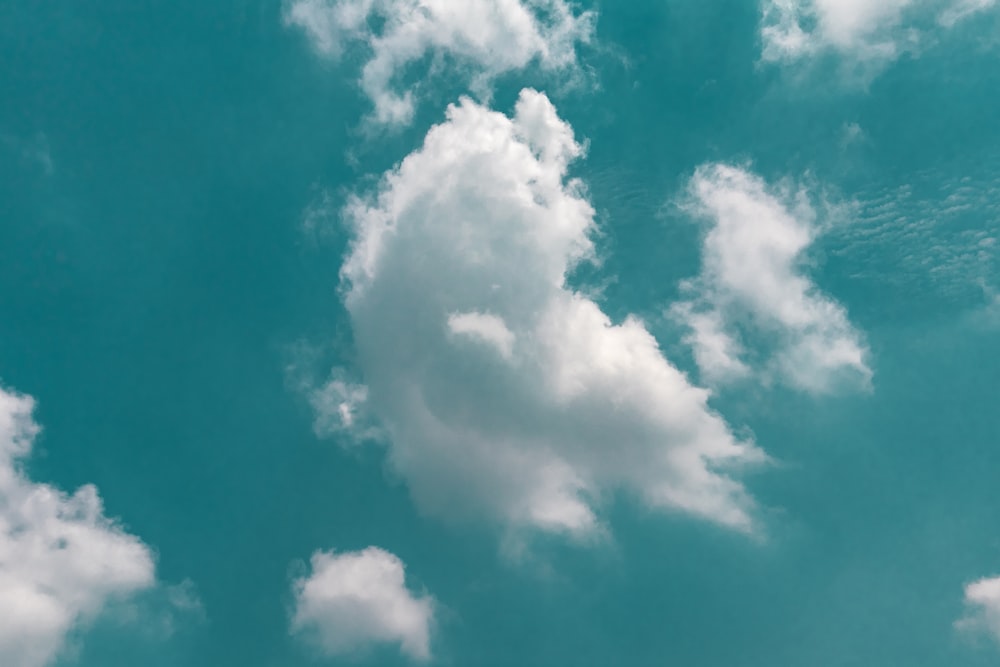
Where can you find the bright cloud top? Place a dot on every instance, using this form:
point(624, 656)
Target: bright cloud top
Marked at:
point(752, 286)
point(504, 393)
point(352, 601)
point(982, 600)
point(61, 560)
point(864, 30)
point(484, 37)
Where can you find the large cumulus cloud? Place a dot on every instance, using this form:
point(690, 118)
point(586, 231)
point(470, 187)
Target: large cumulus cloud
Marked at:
point(503, 392)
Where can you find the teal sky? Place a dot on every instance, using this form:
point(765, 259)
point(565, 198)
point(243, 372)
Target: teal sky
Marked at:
point(685, 355)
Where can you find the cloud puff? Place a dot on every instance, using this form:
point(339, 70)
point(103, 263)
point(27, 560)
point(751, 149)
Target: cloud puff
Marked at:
point(982, 600)
point(337, 404)
point(752, 286)
point(505, 393)
point(351, 601)
point(61, 559)
point(873, 31)
point(485, 38)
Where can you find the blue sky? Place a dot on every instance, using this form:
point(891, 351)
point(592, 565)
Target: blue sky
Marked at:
point(499, 332)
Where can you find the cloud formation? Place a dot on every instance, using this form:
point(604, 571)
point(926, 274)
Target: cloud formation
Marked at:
point(752, 286)
point(482, 38)
point(982, 601)
point(865, 31)
point(503, 392)
point(61, 559)
point(352, 601)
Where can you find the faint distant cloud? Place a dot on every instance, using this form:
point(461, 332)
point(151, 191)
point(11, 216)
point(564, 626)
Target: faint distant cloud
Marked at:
point(852, 134)
point(321, 216)
point(34, 151)
point(160, 613)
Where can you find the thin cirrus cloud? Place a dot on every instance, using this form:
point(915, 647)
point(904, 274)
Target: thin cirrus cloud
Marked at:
point(61, 559)
point(982, 602)
point(351, 602)
point(870, 33)
point(504, 393)
point(485, 38)
point(753, 286)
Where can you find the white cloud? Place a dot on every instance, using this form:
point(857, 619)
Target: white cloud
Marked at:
point(61, 559)
point(865, 31)
point(752, 282)
point(982, 601)
point(486, 38)
point(482, 221)
point(351, 601)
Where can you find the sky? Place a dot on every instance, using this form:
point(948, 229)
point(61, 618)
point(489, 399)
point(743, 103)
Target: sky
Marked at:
point(499, 332)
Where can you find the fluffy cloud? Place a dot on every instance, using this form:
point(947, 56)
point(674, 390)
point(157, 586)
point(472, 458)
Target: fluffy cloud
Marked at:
point(982, 599)
point(752, 286)
point(351, 601)
point(504, 393)
point(873, 31)
point(485, 38)
point(61, 559)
